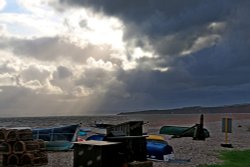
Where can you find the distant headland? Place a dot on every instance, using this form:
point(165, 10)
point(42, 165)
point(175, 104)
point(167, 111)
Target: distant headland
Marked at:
point(236, 108)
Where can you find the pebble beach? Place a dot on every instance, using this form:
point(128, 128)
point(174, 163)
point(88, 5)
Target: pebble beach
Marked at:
point(185, 148)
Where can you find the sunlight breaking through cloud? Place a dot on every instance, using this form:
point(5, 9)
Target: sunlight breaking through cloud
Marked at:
point(81, 55)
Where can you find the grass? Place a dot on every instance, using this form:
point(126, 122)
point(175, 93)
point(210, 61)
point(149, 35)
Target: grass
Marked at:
point(233, 159)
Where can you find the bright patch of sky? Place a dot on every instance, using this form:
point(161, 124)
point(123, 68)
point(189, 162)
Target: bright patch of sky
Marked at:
point(23, 19)
point(85, 27)
point(34, 19)
point(2, 4)
point(12, 6)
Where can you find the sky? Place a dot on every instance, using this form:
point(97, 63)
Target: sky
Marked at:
point(86, 57)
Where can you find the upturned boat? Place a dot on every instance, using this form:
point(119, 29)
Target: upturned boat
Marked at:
point(57, 138)
point(180, 131)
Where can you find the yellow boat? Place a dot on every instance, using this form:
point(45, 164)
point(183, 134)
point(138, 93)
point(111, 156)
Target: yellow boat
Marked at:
point(155, 137)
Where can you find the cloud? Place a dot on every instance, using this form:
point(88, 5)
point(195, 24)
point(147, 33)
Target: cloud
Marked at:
point(155, 16)
point(164, 28)
point(2, 30)
point(2, 4)
point(62, 72)
point(7, 79)
point(28, 25)
point(80, 56)
point(24, 102)
point(203, 46)
point(58, 48)
point(202, 43)
point(46, 48)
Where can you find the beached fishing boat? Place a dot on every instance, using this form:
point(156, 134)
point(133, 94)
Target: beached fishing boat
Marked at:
point(158, 148)
point(179, 131)
point(57, 138)
point(155, 137)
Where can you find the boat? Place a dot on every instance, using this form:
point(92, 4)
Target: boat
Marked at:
point(97, 137)
point(57, 138)
point(158, 148)
point(180, 131)
point(83, 131)
point(155, 137)
point(58, 145)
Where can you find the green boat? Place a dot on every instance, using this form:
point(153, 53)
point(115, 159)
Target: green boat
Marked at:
point(179, 131)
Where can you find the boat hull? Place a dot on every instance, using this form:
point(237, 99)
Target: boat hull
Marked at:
point(58, 145)
point(159, 150)
point(178, 131)
point(57, 138)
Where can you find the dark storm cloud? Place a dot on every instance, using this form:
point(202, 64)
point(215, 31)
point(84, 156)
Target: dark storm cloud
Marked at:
point(161, 16)
point(170, 26)
point(214, 71)
point(226, 63)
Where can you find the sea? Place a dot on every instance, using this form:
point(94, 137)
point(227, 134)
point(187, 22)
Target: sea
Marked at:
point(152, 120)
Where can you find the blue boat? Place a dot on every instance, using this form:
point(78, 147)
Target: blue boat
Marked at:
point(159, 150)
point(57, 138)
point(97, 137)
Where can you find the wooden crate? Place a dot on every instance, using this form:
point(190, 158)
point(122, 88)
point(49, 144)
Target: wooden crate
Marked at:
point(133, 147)
point(97, 154)
point(131, 128)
